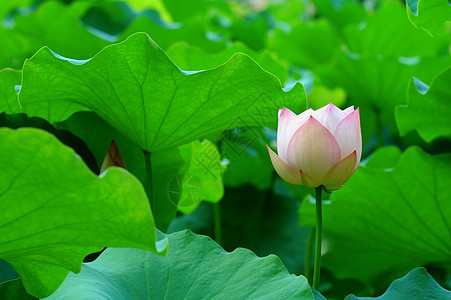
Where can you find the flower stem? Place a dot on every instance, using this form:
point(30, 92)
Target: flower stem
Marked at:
point(309, 255)
point(217, 221)
point(319, 228)
point(149, 179)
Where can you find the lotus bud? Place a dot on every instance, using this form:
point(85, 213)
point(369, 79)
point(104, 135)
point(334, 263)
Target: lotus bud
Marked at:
point(318, 148)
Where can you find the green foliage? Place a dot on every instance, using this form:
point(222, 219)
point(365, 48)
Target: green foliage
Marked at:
point(198, 85)
point(418, 284)
point(8, 96)
point(432, 15)
point(50, 232)
point(397, 224)
point(192, 264)
point(428, 112)
point(148, 99)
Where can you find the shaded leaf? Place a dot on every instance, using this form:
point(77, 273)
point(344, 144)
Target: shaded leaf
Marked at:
point(14, 290)
point(65, 211)
point(194, 268)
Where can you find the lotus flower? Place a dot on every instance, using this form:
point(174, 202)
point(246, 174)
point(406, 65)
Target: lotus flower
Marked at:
point(318, 148)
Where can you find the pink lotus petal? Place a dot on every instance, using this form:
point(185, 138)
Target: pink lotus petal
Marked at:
point(349, 110)
point(289, 122)
point(348, 135)
point(286, 172)
point(309, 181)
point(340, 173)
point(313, 149)
point(330, 116)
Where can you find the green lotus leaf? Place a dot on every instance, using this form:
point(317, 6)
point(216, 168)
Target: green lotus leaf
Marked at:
point(427, 111)
point(55, 211)
point(388, 219)
point(140, 92)
point(46, 26)
point(432, 15)
point(417, 284)
point(194, 268)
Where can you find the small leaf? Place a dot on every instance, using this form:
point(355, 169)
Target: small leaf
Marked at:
point(194, 268)
point(55, 211)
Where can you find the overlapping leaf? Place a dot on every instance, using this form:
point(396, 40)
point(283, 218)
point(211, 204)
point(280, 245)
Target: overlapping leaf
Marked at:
point(417, 284)
point(390, 217)
point(430, 15)
point(429, 113)
point(55, 211)
point(194, 268)
point(140, 92)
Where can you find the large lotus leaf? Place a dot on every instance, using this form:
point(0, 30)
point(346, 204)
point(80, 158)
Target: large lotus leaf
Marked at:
point(430, 15)
point(8, 96)
point(191, 58)
point(429, 113)
point(194, 268)
point(45, 27)
point(417, 284)
point(141, 93)
point(388, 219)
point(55, 211)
